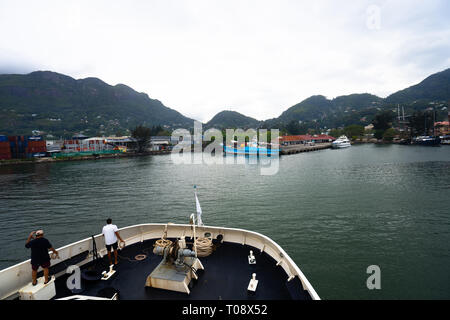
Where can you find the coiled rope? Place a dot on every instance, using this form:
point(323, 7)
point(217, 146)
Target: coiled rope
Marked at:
point(146, 252)
point(139, 257)
point(163, 243)
point(204, 247)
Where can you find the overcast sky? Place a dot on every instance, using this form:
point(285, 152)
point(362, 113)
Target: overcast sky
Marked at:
point(255, 57)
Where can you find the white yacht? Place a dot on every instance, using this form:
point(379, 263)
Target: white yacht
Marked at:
point(445, 139)
point(341, 142)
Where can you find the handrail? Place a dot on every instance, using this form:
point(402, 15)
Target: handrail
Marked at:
point(17, 276)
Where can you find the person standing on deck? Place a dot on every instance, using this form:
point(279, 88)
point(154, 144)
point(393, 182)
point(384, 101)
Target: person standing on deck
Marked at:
point(110, 232)
point(39, 254)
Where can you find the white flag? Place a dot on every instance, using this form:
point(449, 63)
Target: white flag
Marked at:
point(199, 209)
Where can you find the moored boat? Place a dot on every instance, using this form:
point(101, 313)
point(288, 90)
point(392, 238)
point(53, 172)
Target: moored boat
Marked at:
point(252, 148)
point(427, 140)
point(341, 142)
point(445, 140)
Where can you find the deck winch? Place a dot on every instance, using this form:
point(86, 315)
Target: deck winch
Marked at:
point(177, 268)
point(174, 253)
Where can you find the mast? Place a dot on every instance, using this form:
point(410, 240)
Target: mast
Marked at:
point(434, 120)
point(425, 124)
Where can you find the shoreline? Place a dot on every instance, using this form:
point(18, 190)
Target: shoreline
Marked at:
point(79, 158)
point(283, 151)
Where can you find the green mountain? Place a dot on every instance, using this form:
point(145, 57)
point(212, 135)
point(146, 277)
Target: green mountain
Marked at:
point(232, 119)
point(434, 88)
point(321, 112)
point(60, 105)
point(308, 109)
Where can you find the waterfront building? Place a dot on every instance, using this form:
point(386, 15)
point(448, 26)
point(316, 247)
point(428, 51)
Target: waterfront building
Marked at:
point(93, 144)
point(305, 139)
point(322, 138)
point(158, 143)
point(124, 143)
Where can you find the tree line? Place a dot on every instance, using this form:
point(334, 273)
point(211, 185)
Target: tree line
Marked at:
point(418, 123)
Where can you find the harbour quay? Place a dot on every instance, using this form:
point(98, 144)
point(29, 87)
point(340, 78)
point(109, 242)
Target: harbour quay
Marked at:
point(304, 143)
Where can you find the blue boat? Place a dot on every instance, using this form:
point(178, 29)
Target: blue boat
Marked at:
point(252, 149)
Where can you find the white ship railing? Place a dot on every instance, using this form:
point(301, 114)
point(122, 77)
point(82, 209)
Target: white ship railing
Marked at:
point(12, 279)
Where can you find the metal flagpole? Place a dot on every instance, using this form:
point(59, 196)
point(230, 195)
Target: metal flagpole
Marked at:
point(199, 209)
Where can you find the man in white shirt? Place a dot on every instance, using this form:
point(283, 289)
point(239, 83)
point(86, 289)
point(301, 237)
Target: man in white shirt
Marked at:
point(111, 234)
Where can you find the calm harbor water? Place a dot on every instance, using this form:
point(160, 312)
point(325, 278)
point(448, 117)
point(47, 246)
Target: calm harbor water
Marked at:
point(335, 212)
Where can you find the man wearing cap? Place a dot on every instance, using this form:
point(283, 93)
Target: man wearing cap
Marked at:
point(39, 254)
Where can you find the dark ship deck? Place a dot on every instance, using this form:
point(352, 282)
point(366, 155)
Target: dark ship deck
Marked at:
point(226, 277)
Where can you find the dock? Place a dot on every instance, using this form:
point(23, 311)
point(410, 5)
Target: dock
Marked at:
point(297, 148)
point(79, 158)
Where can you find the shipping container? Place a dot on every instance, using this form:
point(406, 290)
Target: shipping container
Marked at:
point(40, 146)
point(36, 143)
point(18, 155)
point(21, 146)
point(36, 150)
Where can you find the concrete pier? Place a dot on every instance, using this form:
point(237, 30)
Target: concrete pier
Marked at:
point(297, 148)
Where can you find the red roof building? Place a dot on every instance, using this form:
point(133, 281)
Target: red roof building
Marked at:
point(323, 138)
point(303, 139)
point(442, 127)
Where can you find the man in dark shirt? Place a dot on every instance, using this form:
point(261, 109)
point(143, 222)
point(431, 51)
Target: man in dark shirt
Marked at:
point(39, 254)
